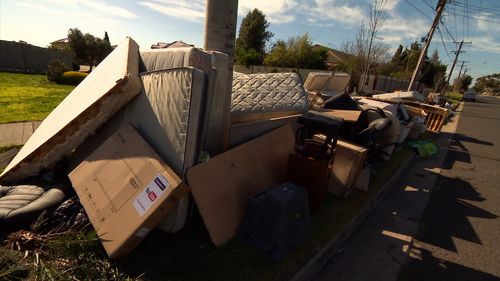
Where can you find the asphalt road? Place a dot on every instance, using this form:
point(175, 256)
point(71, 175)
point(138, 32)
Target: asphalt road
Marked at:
point(440, 220)
point(459, 232)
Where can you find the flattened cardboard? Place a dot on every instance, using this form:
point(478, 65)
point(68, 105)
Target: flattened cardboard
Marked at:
point(347, 164)
point(126, 190)
point(113, 83)
point(223, 185)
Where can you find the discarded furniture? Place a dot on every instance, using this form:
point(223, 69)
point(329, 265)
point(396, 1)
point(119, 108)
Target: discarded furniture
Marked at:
point(223, 185)
point(113, 83)
point(327, 83)
point(276, 220)
point(21, 205)
point(401, 95)
point(348, 162)
point(126, 190)
point(264, 96)
point(435, 116)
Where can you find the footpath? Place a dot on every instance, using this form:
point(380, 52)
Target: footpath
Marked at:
point(17, 133)
point(380, 246)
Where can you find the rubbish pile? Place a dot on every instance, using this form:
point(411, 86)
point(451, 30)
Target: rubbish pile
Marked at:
point(149, 136)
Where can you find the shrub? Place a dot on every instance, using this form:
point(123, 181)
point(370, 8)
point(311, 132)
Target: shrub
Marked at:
point(72, 78)
point(55, 69)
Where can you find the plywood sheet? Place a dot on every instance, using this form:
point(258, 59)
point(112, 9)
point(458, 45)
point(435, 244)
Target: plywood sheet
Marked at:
point(223, 185)
point(110, 86)
point(347, 115)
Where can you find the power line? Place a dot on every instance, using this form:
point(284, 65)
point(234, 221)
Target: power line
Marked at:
point(424, 14)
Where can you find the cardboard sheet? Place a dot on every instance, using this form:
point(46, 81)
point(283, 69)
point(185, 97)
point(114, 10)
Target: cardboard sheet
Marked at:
point(126, 190)
point(113, 83)
point(348, 162)
point(347, 115)
point(223, 185)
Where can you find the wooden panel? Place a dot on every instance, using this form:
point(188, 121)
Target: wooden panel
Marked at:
point(347, 115)
point(223, 185)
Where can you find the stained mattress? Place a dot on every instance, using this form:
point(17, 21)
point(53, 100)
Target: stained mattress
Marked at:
point(113, 83)
point(266, 95)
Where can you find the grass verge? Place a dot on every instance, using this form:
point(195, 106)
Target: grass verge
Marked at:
point(190, 255)
point(28, 97)
point(454, 98)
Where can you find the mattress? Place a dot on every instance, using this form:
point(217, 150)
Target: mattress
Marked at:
point(169, 116)
point(113, 83)
point(397, 96)
point(315, 81)
point(266, 95)
point(216, 66)
point(328, 83)
point(157, 59)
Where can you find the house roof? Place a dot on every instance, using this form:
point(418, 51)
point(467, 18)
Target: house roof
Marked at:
point(61, 41)
point(175, 44)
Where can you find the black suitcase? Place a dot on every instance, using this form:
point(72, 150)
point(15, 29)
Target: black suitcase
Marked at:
point(277, 220)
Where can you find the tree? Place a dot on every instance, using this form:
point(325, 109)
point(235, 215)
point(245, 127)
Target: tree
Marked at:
point(87, 48)
point(463, 82)
point(378, 15)
point(252, 37)
point(106, 37)
point(297, 52)
point(488, 83)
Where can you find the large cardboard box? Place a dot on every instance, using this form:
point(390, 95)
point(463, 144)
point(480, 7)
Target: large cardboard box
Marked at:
point(126, 190)
point(348, 162)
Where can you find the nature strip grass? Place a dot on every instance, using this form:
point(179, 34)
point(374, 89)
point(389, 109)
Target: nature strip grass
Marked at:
point(28, 97)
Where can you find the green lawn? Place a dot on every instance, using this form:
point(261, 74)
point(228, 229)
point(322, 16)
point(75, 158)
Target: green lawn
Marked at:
point(454, 98)
point(28, 97)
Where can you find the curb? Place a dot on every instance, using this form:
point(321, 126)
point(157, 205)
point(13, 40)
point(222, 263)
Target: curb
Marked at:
point(316, 263)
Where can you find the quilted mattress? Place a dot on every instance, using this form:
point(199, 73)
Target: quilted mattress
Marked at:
point(113, 83)
point(266, 95)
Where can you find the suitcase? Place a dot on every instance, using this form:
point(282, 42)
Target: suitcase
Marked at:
point(277, 220)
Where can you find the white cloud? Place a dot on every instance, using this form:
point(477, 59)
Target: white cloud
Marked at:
point(193, 11)
point(99, 7)
point(486, 43)
point(345, 13)
point(276, 11)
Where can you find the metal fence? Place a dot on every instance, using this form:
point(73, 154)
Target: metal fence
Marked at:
point(22, 57)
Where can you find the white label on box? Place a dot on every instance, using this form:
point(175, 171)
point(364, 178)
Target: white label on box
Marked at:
point(142, 232)
point(150, 194)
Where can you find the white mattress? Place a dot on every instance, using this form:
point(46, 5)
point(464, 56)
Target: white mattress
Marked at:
point(158, 59)
point(397, 96)
point(266, 95)
point(113, 83)
point(328, 83)
point(315, 81)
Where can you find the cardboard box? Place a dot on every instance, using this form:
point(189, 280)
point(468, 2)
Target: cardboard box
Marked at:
point(348, 162)
point(126, 190)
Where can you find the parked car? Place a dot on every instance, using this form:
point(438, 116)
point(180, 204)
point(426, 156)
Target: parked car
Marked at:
point(470, 96)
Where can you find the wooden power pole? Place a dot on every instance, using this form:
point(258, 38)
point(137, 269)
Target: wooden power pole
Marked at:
point(423, 52)
point(220, 35)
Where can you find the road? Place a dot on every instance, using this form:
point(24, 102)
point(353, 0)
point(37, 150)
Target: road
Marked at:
point(459, 235)
point(440, 221)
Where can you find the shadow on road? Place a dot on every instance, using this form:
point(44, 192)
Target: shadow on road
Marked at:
point(425, 266)
point(447, 214)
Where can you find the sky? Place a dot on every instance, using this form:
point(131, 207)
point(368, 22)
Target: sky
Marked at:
point(328, 22)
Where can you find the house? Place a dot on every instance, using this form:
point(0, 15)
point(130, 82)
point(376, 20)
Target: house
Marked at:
point(334, 57)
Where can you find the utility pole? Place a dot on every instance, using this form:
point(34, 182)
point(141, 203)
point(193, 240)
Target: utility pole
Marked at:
point(457, 53)
point(461, 67)
point(423, 52)
point(220, 35)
